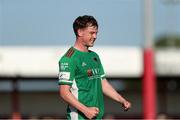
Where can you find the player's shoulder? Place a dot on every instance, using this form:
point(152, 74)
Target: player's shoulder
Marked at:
point(93, 52)
point(70, 52)
point(68, 56)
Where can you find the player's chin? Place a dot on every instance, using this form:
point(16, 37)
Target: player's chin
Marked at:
point(91, 45)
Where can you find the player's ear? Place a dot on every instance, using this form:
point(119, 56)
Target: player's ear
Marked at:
point(80, 32)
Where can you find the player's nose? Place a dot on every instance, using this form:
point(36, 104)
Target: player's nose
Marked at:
point(95, 36)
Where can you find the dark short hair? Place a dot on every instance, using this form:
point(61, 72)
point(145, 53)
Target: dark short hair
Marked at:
point(83, 22)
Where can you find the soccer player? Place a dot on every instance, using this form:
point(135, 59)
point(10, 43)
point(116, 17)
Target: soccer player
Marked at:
point(82, 80)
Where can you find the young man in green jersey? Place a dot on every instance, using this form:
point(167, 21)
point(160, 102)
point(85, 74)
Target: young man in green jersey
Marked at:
point(81, 76)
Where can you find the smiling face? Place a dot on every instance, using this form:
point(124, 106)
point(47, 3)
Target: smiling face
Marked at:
point(88, 35)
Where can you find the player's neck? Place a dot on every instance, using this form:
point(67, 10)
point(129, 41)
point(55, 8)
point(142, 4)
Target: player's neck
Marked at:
point(80, 46)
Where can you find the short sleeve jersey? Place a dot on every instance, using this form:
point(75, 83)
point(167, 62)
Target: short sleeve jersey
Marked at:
point(83, 71)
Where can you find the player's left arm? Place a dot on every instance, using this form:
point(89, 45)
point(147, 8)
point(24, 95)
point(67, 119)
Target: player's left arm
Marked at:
point(109, 91)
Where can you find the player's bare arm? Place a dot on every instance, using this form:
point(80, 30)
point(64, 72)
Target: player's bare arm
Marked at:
point(109, 91)
point(89, 112)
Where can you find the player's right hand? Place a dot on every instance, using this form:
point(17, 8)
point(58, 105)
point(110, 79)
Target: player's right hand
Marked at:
point(91, 112)
point(126, 105)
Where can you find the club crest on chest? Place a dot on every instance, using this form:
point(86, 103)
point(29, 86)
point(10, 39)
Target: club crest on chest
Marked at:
point(89, 72)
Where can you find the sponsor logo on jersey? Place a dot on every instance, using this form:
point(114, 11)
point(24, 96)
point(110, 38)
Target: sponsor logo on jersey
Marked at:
point(64, 66)
point(83, 64)
point(64, 75)
point(96, 71)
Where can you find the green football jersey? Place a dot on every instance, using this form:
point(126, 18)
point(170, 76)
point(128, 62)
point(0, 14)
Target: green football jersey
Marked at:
point(83, 71)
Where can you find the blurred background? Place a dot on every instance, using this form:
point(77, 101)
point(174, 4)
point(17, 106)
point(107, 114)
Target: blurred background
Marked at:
point(34, 34)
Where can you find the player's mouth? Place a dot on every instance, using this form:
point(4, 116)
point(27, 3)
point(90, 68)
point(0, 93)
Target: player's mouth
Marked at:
point(92, 41)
